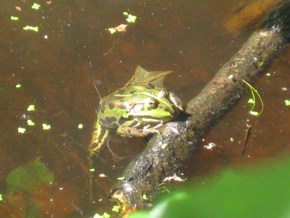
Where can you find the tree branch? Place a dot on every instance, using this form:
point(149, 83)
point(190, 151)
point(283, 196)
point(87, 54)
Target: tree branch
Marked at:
point(166, 153)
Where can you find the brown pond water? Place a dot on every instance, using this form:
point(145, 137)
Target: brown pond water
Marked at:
point(52, 66)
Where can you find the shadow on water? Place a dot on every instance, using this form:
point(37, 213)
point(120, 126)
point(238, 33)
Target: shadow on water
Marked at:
point(52, 67)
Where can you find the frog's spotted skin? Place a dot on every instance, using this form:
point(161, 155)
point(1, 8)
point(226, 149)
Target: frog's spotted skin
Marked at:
point(137, 109)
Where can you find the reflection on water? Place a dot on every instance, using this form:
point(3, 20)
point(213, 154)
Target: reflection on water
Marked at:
point(50, 70)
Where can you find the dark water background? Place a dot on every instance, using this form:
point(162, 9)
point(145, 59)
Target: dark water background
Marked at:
point(52, 65)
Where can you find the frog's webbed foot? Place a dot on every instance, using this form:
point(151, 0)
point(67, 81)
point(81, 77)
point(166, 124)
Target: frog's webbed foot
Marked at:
point(136, 131)
point(153, 129)
point(128, 131)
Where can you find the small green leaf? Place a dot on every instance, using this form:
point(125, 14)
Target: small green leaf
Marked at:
point(15, 18)
point(31, 107)
point(287, 102)
point(18, 85)
point(31, 28)
point(112, 30)
point(46, 126)
point(30, 123)
point(21, 130)
point(36, 6)
point(130, 17)
point(26, 177)
point(1, 197)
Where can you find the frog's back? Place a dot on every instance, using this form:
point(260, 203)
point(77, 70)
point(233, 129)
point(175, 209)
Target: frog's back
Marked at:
point(114, 107)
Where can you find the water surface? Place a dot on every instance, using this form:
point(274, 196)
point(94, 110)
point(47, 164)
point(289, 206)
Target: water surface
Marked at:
point(52, 67)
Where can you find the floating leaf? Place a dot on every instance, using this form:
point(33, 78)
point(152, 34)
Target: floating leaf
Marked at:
point(112, 30)
point(15, 18)
point(31, 107)
point(130, 17)
point(18, 85)
point(26, 177)
point(30, 123)
point(46, 126)
point(21, 130)
point(36, 6)
point(287, 102)
point(31, 28)
point(80, 126)
point(121, 28)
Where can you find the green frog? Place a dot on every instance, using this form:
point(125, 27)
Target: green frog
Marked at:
point(135, 110)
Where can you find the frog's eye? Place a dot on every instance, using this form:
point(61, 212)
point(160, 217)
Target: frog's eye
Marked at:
point(150, 103)
point(137, 108)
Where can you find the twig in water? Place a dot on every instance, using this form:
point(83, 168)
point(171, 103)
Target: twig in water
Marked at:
point(111, 49)
point(248, 133)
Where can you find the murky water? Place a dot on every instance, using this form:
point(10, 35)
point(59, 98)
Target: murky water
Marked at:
point(52, 67)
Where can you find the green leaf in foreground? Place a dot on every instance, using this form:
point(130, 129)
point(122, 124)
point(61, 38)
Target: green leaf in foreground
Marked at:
point(262, 192)
point(26, 177)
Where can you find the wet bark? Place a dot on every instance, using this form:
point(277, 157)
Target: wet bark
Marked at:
point(167, 152)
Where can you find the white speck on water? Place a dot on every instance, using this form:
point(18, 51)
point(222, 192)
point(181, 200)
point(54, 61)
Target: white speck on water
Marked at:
point(210, 146)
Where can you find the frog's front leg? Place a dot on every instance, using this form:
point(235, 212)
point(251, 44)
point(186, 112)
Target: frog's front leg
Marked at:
point(99, 137)
point(129, 130)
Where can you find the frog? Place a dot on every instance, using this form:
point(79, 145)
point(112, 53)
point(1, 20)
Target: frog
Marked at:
point(137, 109)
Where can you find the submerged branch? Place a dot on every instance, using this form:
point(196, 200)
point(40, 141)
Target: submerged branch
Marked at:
point(167, 152)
